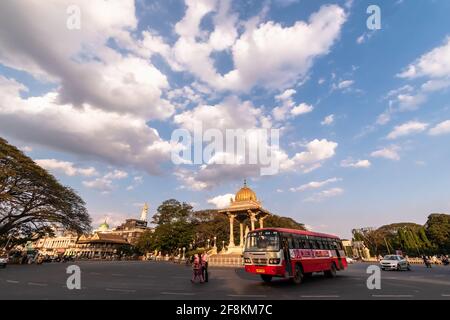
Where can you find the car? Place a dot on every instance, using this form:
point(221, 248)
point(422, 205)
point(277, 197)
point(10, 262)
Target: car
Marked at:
point(394, 262)
point(3, 261)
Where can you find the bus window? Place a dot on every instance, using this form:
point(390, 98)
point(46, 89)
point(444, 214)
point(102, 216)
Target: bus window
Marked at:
point(297, 242)
point(291, 243)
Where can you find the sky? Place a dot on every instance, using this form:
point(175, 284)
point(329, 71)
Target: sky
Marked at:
point(93, 90)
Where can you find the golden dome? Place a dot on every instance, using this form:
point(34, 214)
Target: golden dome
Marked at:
point(245, 194)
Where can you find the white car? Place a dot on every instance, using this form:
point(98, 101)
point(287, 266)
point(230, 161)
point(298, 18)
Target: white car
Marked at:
point(394, 262)
point(349, 260)
point(3, 262)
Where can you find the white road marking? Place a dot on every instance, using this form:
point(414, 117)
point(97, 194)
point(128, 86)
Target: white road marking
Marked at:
point(12, 281)
point(95, 273)
point(117, 274)
point(37, 284)
point(320, 296)
point(247, 295)
point(178, 293)
point(445, 295)
point(121, 290)
point(392, 295)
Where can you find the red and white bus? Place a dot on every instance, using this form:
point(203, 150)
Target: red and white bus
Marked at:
point(294, 254)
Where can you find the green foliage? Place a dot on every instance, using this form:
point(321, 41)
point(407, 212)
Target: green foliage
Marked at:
point(32, 200)
point(410, 238)
point(275, 221)
point(172, 211)
point(437, 230)
point(178, 226)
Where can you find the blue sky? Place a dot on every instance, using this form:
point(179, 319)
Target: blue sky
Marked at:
point(364, 114)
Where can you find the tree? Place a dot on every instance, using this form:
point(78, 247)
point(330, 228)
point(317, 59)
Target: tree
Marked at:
point(437, 229)
point(32, 201)
point(171, 211)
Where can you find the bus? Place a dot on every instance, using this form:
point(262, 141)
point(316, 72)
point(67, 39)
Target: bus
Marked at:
point(292, 254)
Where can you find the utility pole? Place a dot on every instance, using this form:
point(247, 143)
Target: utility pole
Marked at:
point(387, 246)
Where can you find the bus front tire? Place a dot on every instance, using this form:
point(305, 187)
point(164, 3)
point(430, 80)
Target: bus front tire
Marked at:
point(266, 278)
point(298, 275)
point(332, 272)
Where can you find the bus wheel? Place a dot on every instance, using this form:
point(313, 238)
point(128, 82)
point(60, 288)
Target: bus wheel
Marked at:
point(298, 276)
point(332, 272)
point(266, 278)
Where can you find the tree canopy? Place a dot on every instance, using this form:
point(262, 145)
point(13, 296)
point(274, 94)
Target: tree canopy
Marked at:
point(411, 238)
point(177, 226)
point(32, 200)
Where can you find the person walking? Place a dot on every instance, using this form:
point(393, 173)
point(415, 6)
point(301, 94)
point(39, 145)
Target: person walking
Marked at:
point(205, 266)
point(197, 269)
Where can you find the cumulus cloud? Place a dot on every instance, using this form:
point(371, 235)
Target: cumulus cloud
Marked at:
point(221, 201)
point(326, 194)
point(314, 185)
point(85, 70)
point(390, 153)
point(407, 129)
point(434, 64)
point(328, 120)
point(288, 108)
point(91, 133)
point(440, 129)
point(266, 54)
point(349, 163)
point(66, 167)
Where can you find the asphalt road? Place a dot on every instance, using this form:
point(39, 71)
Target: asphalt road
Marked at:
point(162, 280)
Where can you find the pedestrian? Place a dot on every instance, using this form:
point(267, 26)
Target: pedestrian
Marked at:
point(197, 269)
point(205, 266)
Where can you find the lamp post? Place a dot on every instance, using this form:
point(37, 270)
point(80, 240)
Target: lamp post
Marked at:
point(184, 251)
point(223, 245)
point(215, 239)
point(208, 243)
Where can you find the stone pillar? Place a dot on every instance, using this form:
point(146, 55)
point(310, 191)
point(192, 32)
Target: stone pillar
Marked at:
point(241, 234)
point(261, 221)
point(252, 219)
point(231, 217)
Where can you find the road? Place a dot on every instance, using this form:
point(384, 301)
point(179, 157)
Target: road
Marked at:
point(163, 280)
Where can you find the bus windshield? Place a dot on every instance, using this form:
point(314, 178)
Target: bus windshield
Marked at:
point(263, 241)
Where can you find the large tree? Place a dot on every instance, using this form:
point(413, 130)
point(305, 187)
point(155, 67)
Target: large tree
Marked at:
point(438, 231)
point(32, 200)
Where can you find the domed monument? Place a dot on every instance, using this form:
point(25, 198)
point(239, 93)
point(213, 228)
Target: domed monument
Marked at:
point(245, 205)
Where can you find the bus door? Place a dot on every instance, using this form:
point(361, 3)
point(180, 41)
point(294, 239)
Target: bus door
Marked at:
point(287, 256)
point(338, 254)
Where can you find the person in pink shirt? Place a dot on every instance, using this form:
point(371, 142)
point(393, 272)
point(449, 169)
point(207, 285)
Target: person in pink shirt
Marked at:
point(197, 269)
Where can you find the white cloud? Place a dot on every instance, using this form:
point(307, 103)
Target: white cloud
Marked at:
point(390, 153)
point(116, 175)
point(288, 108)
point(328, 120)
point(266, 54)
point(314, 185)
point(407, 129)
point(85, 70)
point(90, 133)
point(441, 128)
point(100, 184)
point(435, 85)
point(345, 84)
point(349, 163)
point(434, 64)
point(326, 194)
point(222, 201)
point(66, 167)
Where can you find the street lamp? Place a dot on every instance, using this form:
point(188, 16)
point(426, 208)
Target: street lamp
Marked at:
point(184, 251)
point(208, 242)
